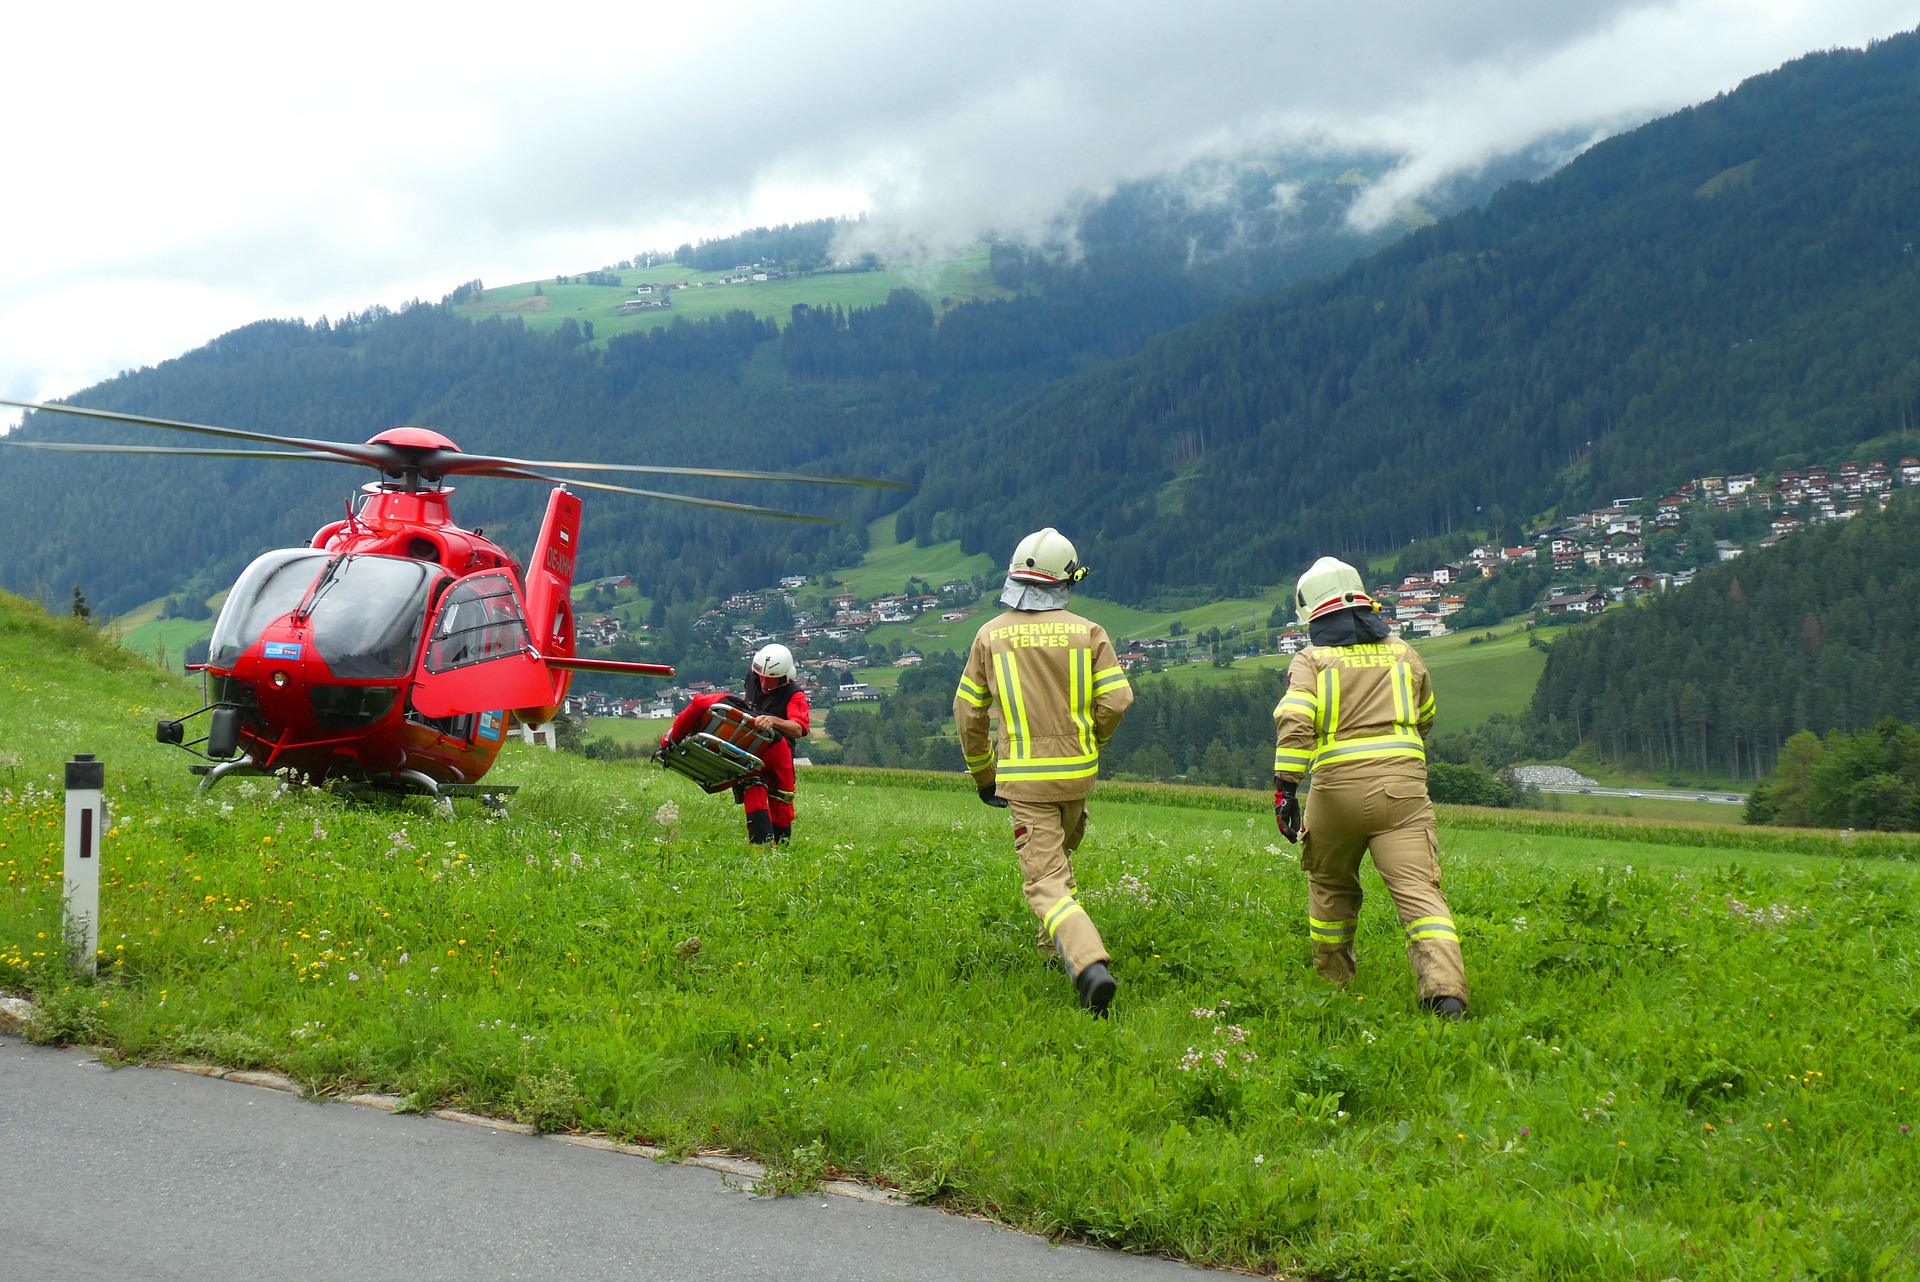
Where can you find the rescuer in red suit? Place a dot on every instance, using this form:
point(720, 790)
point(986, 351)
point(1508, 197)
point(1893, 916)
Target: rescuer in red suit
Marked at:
point(778, 705)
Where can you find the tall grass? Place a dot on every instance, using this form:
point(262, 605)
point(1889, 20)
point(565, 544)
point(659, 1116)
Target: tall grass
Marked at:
point(1683, 1061)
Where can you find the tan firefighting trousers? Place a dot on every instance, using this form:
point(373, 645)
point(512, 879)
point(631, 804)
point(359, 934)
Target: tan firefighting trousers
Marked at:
point(1384, 807)
point(1046, 833)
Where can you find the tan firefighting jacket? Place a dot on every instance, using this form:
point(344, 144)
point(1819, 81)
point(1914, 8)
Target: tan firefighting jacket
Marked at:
point(1352, 704)
point(1061, 692)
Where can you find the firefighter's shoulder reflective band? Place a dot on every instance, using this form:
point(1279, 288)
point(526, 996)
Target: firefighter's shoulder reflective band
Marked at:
point(972, 693)
point(1432, 928)
point(1332, 932)
point(1301, 701)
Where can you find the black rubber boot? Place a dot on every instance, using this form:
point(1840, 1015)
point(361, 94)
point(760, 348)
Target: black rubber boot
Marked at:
point(1095, 985)
point(1447, 1007)
point(759, 827)
point(782, 833)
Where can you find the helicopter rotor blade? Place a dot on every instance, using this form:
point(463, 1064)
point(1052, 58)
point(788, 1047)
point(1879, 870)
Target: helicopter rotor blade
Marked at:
point(317, 456)
point(520, 474)
point(435, 463)
point(447, 463)
point(379, 456)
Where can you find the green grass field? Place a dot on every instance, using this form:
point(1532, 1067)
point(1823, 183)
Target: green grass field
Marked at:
point(944, 284)
point(1692, 1050)
point(1473, 681)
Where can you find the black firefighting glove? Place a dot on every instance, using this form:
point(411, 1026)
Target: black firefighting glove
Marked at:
point(992, 798)
point(1286, 809)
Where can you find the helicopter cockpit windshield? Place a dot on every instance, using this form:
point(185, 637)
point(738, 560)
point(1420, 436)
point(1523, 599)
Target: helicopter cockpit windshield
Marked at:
point(366, 617)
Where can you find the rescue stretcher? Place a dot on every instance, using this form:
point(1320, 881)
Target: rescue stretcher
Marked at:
point(722, 752)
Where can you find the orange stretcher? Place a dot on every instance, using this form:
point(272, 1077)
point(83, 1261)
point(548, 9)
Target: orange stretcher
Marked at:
point(723, 751)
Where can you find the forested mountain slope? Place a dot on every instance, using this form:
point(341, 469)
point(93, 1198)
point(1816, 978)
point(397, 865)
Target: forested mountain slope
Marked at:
point(1820, 633)
point(1728, 288)
point(875, 391)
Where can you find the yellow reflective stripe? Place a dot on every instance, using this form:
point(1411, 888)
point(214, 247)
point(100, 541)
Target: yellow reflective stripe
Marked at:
point(1402, 695)
point(1329, 703)
point(1332, 932)
point(1050, 768)
point(1065, 908)
point(1432, 928)
point(1080, 700)
point(972, 693)
point(974, 763)
point(1385, 745)
point(1107, 678)
point(1427, 708)
point(1290, 761)
point(1299, 699)
point(1013, 708)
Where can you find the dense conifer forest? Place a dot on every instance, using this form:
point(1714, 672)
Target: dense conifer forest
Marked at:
point(1735, 287)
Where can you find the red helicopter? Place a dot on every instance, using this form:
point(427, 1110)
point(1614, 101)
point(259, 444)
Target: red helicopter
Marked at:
point(393, 651)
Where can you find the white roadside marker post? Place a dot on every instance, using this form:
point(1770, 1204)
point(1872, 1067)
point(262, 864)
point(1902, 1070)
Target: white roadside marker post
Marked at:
point(86, 824)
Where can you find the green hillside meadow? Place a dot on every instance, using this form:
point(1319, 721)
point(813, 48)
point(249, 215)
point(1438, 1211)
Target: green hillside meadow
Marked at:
point(1693, 1050)
point(946, 284)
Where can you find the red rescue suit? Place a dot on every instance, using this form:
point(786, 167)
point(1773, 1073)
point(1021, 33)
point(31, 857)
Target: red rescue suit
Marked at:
point(772, 789)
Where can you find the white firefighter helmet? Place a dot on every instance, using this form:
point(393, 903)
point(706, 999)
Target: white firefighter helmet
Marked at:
point(1046, 558)
point(1329, 584)
point(773, 661)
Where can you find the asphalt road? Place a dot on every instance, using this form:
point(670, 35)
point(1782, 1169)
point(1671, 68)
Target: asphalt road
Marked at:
point(1661, 794)
point(162, 1176)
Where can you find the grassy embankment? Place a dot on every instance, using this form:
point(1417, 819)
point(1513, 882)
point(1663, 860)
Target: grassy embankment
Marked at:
point(1686, 1058)
point(944, 284)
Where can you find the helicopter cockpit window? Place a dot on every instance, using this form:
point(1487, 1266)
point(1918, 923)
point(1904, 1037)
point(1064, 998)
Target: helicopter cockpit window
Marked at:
point(367, 621)
point(267, 590)
point(479, 619)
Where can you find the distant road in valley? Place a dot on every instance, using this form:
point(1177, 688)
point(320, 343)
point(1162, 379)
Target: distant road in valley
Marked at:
point(1657, 794)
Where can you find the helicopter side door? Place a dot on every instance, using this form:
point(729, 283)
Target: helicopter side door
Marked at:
point(479, 656)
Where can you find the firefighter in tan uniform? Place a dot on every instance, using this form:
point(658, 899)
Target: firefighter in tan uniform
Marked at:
point(1356, 714)
point(1061, 692)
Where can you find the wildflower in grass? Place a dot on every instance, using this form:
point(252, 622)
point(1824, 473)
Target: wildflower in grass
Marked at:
point(667, 815)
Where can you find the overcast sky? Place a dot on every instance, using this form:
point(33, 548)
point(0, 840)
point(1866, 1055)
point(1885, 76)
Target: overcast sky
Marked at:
point(174, 171)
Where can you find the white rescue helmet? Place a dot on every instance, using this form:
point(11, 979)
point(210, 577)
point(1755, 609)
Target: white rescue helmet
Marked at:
point(1329, 584)
point(1046, 558)
point(773, 661)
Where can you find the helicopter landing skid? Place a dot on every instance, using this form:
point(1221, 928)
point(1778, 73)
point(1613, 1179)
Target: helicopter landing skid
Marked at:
point(412, 783)
point(404, 783)
point(213, 774)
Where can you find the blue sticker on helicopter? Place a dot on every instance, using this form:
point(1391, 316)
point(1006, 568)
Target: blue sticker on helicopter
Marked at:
point(283, 649)
point(490, 726)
